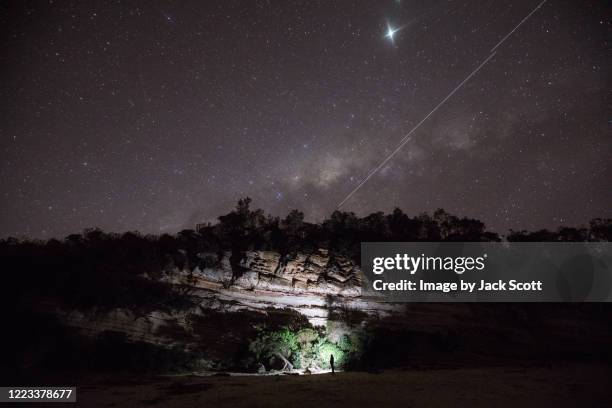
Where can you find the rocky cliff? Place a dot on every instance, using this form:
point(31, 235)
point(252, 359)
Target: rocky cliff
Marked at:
point(308, 285)
point(228, 303)
point(316, 273)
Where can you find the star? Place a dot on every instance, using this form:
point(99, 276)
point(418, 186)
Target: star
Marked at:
point(391, 32)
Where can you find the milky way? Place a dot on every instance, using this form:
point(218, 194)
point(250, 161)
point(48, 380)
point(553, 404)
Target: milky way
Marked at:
point(154, 116)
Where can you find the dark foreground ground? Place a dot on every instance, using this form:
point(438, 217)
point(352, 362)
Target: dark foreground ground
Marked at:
point(568, 385)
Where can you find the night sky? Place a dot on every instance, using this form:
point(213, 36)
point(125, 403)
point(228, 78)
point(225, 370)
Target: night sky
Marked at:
point(154, 116)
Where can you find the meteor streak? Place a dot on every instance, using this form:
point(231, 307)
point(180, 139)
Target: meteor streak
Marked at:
point(518, 25)
point(408, 136)
point(390, 32)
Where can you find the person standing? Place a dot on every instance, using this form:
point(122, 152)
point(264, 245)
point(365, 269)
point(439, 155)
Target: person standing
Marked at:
point(331, 363)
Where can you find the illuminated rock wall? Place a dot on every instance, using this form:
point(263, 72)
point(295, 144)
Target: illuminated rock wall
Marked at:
point(309, 284)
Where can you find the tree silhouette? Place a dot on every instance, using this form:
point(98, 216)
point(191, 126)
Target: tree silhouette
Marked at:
point(96, 269)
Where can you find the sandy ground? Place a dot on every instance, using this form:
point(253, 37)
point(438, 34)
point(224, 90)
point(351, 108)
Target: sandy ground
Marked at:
point(561, 386)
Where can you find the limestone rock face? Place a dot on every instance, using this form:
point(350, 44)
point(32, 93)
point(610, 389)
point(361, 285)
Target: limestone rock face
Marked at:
point(261, 262)
point(248, 280)
point(308, 283)
point(316, 272)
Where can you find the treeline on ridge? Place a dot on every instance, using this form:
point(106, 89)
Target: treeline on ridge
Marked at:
point(101, 270)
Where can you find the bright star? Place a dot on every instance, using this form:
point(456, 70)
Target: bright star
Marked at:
point(391, 32)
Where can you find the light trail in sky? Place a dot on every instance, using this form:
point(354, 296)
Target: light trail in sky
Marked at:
point(408, 136)
point(518, 25)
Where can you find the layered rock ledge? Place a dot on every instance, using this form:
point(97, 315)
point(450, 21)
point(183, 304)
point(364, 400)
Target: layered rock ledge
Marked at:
point(310, 284)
